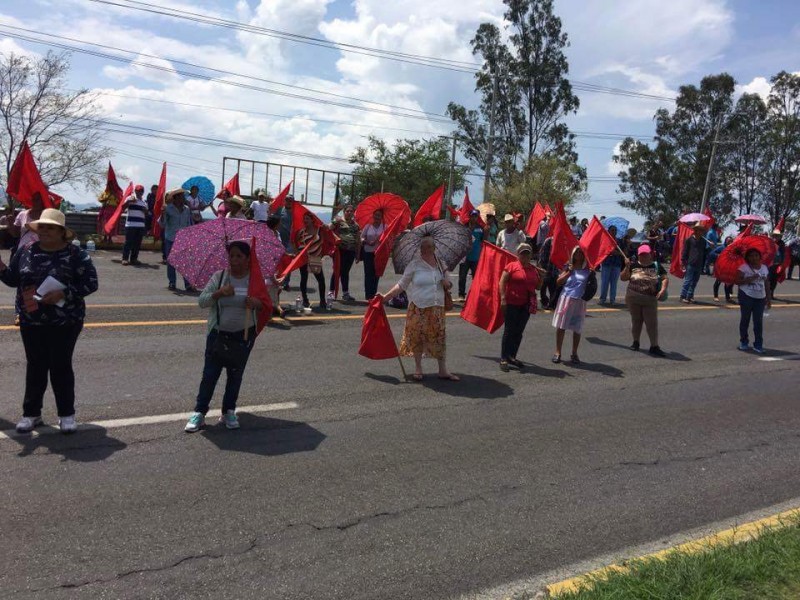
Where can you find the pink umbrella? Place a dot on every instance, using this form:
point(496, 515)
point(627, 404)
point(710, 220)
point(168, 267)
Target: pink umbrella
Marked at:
point(694, 218)
point(750, 219)
point(200, 251)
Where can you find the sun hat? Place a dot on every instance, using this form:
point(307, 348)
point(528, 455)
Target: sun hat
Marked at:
point(237, 199)
point(523, 247)
point(644, 249)
point(508, 218)
point(177, 191)
point(52, 216)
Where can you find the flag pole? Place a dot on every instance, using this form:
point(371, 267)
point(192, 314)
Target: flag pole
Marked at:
point(246, 323)
point(402, 368)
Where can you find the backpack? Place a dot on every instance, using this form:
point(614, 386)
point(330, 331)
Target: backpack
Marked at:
point(591, 286)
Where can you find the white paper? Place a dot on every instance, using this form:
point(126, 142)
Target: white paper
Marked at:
point(51, 284)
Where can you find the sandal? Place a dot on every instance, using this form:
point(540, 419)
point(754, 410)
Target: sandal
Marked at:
point(504, 366)
point(449, 377)
point(556, 359)
point(417, 377)
point(574, 359)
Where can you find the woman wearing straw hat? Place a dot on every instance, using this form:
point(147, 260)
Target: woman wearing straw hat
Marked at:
point(235, 206)
point(52, 277)
point(176, 216)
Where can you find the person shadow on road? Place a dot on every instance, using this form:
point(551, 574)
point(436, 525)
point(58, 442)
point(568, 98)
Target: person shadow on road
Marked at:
point(90, 444)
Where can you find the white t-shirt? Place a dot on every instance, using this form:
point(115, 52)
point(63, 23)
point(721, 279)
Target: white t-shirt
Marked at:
point(370, 236)
point(423, 284)
point(756, 289)
point(510, 241)
point(260, 210)
point(196, 205)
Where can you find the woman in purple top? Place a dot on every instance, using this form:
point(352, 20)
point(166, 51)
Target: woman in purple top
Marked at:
point(570, 311)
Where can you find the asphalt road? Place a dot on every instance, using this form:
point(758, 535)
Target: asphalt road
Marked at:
point(367, 487)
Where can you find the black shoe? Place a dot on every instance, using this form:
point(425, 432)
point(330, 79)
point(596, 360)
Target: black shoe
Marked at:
point(656, 351)
point(171, 287)
point(516, 363)
point(504, 366)
point(635, 346)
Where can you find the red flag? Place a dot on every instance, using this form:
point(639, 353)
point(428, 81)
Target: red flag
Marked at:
point(385, 244)
point(466, 209)
point(111, 224)
point(257, 288)
point(432, 207)
point(298, 261)
point(713, 221)
point(24, 180)
point(534, 220)
point(158, 207)
point(482, 307)
point(597, 243)
point(280, 200)
point(781, 224)
point(55, 199)
point(547, 210)
point(564, 241)
point(111, 184)
point(684, 232)
point(377, 340)
point(232, 187)
point(454, 213)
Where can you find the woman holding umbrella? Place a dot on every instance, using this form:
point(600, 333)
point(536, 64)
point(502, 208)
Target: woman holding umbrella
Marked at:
point(310, 236)
point(426, 282)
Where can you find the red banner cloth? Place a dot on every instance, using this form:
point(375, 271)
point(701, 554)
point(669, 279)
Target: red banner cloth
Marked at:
point(158, 206)
point(232, 187)
point(596, 243)
point(482, 307)
point(385, 244)
point(683, 233)
point(301, 259)
point(257, 288)
point(432, 207)
point(24, 180)
point(564, 241)
point(713, 221)
point(111, 224)
point(377, 340)
point(534, 220)
point(466, 209)
point(280, 200)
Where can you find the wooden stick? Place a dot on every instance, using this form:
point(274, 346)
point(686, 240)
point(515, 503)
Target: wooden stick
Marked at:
point(402, 368)
point(246, 323)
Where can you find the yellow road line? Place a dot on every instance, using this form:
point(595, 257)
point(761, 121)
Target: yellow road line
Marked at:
point(359, 317)
point(735, 535)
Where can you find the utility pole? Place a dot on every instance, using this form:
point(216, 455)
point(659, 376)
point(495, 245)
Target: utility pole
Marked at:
point(452, 175)
point(490, 143)
point(711, 165)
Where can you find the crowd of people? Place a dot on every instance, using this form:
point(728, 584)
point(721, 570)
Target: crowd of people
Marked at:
point(53, 276)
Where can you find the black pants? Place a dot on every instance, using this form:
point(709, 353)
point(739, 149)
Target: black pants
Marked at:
point(370, 279)
point(516, 320)
point(133, 243)
point(468, 266)
point(728, 289)
point(212, 369)
point(304, 284)
point(48, 350)
point(773, 280)
point(346, 258)
point(549, 292)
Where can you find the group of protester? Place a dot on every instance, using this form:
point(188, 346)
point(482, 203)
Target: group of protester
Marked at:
point(53, 276)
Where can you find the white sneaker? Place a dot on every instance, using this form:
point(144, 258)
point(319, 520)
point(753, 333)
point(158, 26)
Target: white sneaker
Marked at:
point(330, 297)
point(68, 424)
point(27, 424)
point(195, 422)
point(230, 419)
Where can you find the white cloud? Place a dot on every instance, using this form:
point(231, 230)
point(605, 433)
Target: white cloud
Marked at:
point(759, 85)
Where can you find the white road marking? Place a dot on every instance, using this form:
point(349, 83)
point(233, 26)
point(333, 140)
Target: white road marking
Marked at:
point(777, 358)
point(148, 420)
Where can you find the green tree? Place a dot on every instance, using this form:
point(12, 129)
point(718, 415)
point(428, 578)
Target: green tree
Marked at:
point(412, 169)
point(527, 76)
point(668, 177)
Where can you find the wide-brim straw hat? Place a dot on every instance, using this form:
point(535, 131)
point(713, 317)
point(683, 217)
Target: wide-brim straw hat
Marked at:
point(52, 216)
point(172, 193)
point(237, 199)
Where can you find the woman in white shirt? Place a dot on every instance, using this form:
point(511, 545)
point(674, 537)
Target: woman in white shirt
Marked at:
point(370, 237)
point(235, 206)
point(425, 281)
point(751, 279)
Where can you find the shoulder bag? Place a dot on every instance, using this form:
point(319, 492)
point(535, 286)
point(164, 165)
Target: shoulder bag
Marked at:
point(591, 286)
point(228, 349)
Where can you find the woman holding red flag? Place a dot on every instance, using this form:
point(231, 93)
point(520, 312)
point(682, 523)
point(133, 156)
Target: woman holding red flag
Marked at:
point(570, 312)
point(310, 236)
point(230, 336)
point(426, 282)
point(518, 285)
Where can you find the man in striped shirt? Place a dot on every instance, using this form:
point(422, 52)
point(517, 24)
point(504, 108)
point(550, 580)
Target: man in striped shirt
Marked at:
point(134, 226)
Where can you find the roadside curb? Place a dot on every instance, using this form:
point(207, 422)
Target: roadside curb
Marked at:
point(734, 535)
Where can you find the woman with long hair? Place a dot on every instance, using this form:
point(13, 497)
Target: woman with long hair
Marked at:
point(310, 236)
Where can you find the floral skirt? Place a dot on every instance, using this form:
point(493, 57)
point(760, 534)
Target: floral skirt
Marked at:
point(424, 332)
point(570, 314)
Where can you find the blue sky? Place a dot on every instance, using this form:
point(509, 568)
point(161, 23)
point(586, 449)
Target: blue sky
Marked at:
point(648, 45)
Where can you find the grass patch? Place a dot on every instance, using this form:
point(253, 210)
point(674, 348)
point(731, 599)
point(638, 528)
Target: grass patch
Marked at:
point(765, 568)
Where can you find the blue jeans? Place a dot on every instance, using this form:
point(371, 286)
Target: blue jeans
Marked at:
point(608, 281)
point(212, 371)
point(690, 280)
point(754, 307)
point(172, 276)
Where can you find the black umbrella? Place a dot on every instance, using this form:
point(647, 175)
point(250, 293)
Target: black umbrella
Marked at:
point(452, 241)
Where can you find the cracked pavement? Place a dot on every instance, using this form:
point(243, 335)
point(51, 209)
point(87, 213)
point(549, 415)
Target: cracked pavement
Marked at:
point(377, 489)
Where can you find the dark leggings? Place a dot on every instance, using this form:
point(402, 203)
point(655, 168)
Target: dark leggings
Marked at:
point(728, 289)
point(320, 277)
point(516, 318)
point(48, 350)
point(347, 257)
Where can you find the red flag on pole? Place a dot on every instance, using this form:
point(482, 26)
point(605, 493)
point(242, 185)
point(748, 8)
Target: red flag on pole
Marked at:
point(377, 340)
point(482, 307)
point(232, 187)
point(257, 288)
point(295, 263)
point(280, 200)
point(24, 180)
point(454, 213)
point(713, 221)
point(385, 244)
point(432, 207)
point(111, 224)
point(158, 207)
point(597, 243)
point(534, 220)
point(564, 241)
point(684, 232)
point(466, 209)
